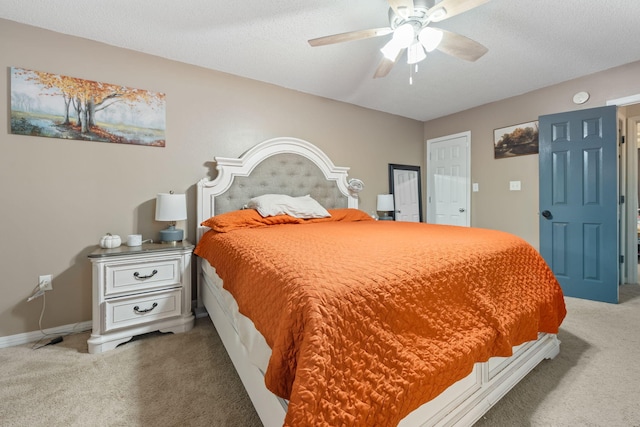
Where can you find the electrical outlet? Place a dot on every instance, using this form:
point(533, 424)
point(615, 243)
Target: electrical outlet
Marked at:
point(44, 282)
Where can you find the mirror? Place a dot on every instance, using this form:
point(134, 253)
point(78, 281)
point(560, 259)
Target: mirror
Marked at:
point(405, 185)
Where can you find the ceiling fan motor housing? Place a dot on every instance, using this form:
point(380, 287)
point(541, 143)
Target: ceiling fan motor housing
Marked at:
point(418, 18)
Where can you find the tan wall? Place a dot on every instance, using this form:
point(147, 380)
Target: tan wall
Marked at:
point(60, 196)
point(633, 110)
point(494, 206)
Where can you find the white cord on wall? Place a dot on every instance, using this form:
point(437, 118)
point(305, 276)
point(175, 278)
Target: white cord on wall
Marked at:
point(58, 336)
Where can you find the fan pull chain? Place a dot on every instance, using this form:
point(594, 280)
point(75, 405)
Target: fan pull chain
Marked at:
point(411, 70)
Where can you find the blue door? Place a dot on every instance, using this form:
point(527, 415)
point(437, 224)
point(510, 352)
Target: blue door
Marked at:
point(579, 201)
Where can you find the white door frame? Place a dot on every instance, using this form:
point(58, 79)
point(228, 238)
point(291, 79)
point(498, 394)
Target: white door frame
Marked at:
point(430, 176)
point(631, 270)
point(630, 250)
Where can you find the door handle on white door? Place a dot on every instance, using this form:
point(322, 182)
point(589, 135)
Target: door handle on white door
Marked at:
point(461, 210)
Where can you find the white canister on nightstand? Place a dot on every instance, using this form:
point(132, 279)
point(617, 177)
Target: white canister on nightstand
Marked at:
point(134, 240)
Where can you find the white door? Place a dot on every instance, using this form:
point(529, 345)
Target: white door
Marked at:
point(448, 179)
point(406, 194)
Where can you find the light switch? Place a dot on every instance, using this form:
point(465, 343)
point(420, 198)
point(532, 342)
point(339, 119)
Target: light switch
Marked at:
point(476, 187)
point(514, 185)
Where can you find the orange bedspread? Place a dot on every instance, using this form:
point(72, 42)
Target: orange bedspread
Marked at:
point(368, 320)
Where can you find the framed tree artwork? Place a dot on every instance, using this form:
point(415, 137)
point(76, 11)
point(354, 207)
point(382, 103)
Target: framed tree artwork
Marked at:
point(516, 140)
point(57, 106)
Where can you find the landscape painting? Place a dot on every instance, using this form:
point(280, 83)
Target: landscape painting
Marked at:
point(56, 106)
point(516, 140)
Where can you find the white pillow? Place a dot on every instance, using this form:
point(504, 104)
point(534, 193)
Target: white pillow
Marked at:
point(280, 204)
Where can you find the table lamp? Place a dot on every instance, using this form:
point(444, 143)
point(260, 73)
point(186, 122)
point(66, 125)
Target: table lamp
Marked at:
point(171, 207)
point(385, 204)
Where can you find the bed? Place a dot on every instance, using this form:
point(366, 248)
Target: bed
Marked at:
point(329, 353)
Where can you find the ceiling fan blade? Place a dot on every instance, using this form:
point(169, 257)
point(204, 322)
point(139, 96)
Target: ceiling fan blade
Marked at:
point(460, 46)
point(350, 36)
point(385, 66)
point(452, 8)
point(403, 8)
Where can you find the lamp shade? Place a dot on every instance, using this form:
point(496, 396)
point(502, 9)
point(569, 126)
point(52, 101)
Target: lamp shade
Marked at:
point(385, 202)
point(415, 53)
point(404, 35)
point(391, 50)
point(171, 207)
point(430, 38)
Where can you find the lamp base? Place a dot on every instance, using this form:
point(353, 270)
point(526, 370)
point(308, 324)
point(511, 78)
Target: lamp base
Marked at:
point(385, 218)
point(171, 234)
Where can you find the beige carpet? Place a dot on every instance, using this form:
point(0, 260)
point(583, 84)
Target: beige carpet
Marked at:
point(158, 380)
point(188, 380)
point(594, 381)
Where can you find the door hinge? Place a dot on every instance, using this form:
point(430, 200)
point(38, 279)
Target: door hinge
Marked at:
point(621, 199)
point(621, 259)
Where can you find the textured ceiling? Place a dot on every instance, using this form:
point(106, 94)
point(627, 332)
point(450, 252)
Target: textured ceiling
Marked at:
point(531, 44)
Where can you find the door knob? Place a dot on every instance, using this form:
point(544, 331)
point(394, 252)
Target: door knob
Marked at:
point(461, 210)
point(547, 214)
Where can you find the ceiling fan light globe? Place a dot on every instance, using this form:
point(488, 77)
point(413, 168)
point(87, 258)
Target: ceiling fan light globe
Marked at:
point(404, 35)
point(430, 38)
point(391, 50)
point(415, 53)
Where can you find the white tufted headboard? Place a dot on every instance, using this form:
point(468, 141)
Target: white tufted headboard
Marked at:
point(281, 165)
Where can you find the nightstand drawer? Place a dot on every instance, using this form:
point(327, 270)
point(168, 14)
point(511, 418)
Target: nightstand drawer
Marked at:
point(123, 312)
point(138, 290)
point(141, 275)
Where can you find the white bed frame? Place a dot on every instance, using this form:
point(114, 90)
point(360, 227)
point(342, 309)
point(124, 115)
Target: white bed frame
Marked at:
point(462, 404)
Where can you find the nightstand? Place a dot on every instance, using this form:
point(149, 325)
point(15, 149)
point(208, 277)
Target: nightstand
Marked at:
point(140, 289)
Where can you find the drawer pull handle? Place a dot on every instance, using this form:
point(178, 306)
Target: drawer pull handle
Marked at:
point(137, 309)
point(148, 276)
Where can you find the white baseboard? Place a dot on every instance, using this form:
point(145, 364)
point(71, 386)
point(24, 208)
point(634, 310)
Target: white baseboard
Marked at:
point(27, 337)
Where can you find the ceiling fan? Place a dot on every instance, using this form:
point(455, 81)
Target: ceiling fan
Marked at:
point(409, 22)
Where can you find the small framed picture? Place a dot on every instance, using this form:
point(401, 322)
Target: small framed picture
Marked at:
point(516, 140)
